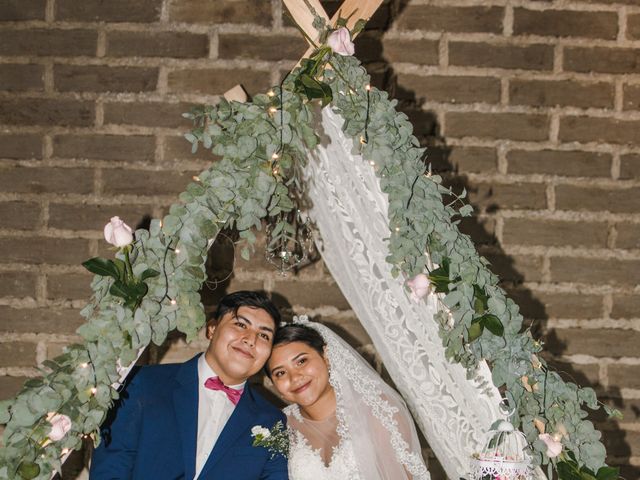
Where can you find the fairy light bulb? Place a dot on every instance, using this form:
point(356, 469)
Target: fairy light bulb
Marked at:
point(93, 390)
point(84, 365)
point(271, 93)
point(367, 88)
point(173, 301)
point(196, 178)
point(177, 251)
point(275, 156)
point(273, 110)
point(372, 163)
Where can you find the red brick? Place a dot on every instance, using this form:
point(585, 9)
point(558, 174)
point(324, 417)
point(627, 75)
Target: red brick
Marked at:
point(450, 19)
point(481, 230)
point(596, 342)
point(633, 26)
point(596, 271)
point(551, 93)
point(157, 44)
point(488, 55)
point(607, 130)
point(48, 42)
point(620, 200)
point(46, 180)
point(21, 78)
point(421, 52)
point(631, 95)
point(309, 294)
point(626, 306)
point(585, 375)
point(630, 166)
point(545, 305)
point(565, 23)
point(19, 215)
point(473, 159)
point(18, 354)
point(152, 114)
point(145, 182)
point(513, 126)
point(103, 78)
point(628, 235)
point(69, 286)
point(516, 268)
point(10, 386)
point(530, 231)
point(93, 217)
point(601, 59)
point(508, 196)
point(20, 146)
point(450, 89)
point(111, 11)
point(38, 250)
point(217, 81)
point(130, 148)
point(623, 443)
point(625, 376)
point(263, 47)
point(559, 162)
point(39, 320)
point(221, 11)
point(18, 284)
point(46, 111)
point(21, 10)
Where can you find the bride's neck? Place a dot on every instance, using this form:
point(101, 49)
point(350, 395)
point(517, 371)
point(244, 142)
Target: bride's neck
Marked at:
point(322, 408)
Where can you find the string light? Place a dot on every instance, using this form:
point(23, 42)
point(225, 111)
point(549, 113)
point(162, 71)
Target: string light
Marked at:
point(93, 390)
point(276, 171)
point(372, 163)
point(173, 301)
point(273, 110)
point(397, 229)
point(275, 156)
point(196, 178)
point(177, 251)
point(368, 88)
point(271, 93)
point(84, 365)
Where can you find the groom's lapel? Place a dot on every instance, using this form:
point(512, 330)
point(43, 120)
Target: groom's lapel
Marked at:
point(185, 404)
point(242, 418)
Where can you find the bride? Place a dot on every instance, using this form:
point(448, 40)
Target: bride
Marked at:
point(344, 422)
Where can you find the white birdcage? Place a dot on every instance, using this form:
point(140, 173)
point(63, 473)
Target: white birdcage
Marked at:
point(504, 456)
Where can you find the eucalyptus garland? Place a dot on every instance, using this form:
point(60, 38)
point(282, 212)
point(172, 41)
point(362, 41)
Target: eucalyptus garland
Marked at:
point(262, 146)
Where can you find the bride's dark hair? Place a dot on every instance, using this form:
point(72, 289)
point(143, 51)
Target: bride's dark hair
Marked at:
point(296, 332)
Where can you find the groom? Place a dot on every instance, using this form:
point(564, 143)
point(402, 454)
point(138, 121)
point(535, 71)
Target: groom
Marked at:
point(193, 420)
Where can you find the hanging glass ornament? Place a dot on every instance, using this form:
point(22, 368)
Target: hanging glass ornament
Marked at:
point(504, 456)
point(289, 242)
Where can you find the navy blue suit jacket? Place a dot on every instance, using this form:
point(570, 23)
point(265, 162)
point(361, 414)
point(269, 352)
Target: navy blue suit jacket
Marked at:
point(151, 432)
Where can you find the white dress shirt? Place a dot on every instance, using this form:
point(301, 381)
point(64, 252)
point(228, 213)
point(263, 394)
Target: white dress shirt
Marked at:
point(214, 409)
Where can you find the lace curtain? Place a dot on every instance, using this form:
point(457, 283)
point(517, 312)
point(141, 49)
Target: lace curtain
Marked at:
point(350, 211)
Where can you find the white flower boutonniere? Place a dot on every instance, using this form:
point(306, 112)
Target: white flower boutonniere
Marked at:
point(275, 440)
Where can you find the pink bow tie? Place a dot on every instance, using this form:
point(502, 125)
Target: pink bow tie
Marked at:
point(214, 383)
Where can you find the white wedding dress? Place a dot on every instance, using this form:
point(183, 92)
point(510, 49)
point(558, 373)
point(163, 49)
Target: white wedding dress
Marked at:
point(329, 462)
point(370, 436)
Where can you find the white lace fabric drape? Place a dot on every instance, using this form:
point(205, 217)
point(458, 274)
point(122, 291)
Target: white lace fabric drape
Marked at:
point(350, 212)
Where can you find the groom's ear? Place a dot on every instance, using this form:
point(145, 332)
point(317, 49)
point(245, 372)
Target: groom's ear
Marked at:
point(211, 326)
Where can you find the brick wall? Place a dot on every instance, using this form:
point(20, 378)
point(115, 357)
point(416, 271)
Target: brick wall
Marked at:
point(530, 105)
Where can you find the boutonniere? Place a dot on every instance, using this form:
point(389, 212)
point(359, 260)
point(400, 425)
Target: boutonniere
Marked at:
point(275, 440)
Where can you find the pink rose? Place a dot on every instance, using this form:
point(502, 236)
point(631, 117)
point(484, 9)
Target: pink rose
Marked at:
point(60, 425)
point(420, 286)
point(554, 447)
point(118, 233)
point(340, 42)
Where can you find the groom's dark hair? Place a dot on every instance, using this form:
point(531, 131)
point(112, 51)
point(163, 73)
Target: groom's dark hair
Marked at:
point(245, 298)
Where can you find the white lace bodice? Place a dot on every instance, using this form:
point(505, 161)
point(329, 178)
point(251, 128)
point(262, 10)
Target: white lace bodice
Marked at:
point(305, 463)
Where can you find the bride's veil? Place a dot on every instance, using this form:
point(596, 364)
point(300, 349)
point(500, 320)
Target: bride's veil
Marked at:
point(371, 414)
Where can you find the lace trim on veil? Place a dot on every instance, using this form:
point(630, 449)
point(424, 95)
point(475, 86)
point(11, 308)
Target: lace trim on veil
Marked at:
point(343, 361)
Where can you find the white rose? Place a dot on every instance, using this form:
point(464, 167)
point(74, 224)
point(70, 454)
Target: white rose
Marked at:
point(118, 233)
point(60, 425)
point(340, 42)
point(554, 447)
point(419, 286)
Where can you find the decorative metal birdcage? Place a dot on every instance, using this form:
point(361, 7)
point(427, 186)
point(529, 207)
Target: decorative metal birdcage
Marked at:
point(504, 456)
